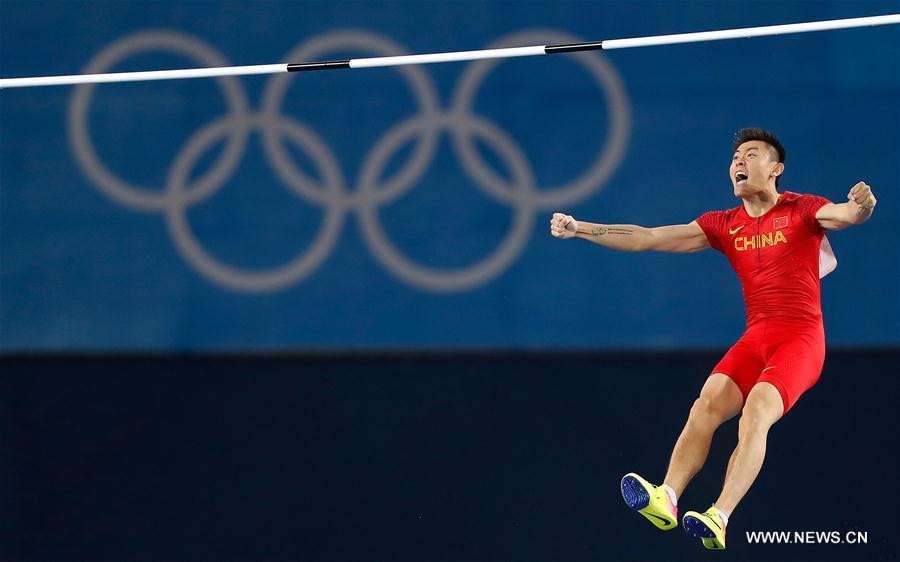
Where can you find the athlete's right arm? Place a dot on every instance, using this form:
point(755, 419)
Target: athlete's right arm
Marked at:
point(630, 237)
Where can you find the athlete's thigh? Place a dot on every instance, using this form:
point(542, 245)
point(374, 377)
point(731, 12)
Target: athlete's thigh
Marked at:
point(742, 364)
point(795, 363)
point(764, 403)
point(723, 394)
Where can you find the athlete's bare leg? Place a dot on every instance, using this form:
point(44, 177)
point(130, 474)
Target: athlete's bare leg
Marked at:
point(763, 408)
point(720, 400)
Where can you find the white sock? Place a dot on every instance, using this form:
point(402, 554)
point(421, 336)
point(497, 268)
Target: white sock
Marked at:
point(671, 493)
point(724, 517)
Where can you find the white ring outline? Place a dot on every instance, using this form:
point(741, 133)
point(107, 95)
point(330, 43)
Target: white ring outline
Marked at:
point(617, 108)
point(233, 277)
point(444, 280)
point(141, 198)
point(420, 85)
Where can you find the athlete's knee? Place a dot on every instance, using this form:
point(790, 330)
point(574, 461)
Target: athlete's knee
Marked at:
point(707, 410)
point(720, 399)
point(756, 417)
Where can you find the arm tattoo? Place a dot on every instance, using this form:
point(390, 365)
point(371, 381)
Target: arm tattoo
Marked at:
point(600, 230)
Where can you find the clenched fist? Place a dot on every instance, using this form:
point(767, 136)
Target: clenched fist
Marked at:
point(861, 194)
point(563, 226)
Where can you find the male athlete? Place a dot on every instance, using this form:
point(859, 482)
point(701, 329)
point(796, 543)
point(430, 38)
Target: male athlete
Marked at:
point(774, 242)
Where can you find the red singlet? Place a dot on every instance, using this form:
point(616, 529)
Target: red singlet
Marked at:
point(776, 258)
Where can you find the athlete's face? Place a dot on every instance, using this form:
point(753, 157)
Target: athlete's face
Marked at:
point(754, 167)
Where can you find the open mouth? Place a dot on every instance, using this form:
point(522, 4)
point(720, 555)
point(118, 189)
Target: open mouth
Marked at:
point(741, 177)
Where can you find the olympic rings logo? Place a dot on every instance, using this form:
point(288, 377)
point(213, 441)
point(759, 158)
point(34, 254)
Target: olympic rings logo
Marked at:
point(331, 193)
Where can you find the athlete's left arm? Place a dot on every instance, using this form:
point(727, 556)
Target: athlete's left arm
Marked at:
point(861, 204)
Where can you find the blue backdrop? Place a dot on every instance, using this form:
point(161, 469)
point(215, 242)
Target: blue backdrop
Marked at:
point(406, 209)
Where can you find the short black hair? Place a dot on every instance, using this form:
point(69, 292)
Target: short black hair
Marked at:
point(756, 134)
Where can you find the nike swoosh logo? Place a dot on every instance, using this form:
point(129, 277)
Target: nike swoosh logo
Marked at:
point(665, 521)
point(735, 230)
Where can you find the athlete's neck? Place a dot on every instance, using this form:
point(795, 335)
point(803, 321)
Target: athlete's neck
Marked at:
point(759, 204)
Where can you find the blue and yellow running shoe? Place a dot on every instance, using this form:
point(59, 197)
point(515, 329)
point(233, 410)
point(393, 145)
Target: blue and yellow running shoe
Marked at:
point(707, 526)
point(650, 501)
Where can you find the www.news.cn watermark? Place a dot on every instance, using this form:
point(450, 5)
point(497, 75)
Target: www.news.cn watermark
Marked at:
point(807, 537)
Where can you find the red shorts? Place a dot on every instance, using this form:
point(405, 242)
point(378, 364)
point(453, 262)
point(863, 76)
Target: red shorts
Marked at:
point(788, 355)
